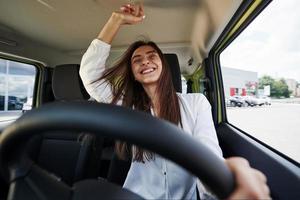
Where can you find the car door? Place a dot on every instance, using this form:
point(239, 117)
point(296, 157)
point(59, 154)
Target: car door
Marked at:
point(282, 172)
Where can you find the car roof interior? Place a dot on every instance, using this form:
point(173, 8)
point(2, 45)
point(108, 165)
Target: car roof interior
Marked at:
point(58, 32)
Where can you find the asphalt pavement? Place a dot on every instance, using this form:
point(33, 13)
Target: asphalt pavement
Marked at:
point(9, 115)
point(277, 125)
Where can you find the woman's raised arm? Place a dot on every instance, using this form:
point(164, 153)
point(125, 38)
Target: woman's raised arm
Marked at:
point(93, 61)
point(128, 14)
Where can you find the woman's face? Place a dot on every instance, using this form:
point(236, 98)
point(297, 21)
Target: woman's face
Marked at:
point(146, 65)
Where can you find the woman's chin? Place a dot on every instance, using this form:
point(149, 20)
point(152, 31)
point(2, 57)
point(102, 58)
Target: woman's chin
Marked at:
point(149, 82)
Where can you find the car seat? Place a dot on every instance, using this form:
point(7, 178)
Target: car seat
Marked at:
point(69, 156)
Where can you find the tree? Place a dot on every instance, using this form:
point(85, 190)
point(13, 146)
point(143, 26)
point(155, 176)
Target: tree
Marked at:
point(265, 80)
point(279, 88)
point(282, 89)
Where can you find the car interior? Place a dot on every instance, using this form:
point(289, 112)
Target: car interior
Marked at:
point(64, 147)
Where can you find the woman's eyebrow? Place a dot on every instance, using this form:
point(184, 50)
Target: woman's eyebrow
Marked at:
point(136, 56)
point(152, 51)
point(148, 52)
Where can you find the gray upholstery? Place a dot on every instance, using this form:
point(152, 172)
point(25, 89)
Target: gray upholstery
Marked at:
point(71, 156)
point(175, 70)
point(66, 83)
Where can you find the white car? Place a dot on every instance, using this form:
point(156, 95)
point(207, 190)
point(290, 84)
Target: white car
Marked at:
point(259, 101)
point(266, 100)
point(253, 101)
point(27, 105)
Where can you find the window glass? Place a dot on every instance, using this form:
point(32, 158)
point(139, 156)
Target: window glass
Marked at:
point(2, 66)
point(261, 77)
point(16, 88)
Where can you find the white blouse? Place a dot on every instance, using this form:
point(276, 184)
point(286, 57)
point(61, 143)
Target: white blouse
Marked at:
point(158, 178)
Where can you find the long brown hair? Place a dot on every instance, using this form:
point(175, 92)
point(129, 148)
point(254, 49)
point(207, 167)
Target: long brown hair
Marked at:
point(133, 95)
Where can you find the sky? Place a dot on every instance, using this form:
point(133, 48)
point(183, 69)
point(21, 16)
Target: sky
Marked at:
point(270, 45)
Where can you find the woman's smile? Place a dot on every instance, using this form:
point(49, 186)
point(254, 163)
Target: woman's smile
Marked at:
point(147, 70)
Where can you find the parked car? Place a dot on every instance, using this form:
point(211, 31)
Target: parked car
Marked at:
point(27, 105)
point(1, 102)
point(14, 103)
point(227, 101)
point(266, 100)
point(253, 101)
point(236, 101)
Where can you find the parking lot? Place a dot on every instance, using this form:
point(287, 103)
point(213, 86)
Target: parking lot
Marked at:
point(9, 115)
point(276, 125)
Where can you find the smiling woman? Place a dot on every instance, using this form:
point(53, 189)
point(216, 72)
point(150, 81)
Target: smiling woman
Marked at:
point(144, 83)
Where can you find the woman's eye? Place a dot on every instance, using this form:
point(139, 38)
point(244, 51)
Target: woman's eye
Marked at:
point(136, 60)
point(152, 56)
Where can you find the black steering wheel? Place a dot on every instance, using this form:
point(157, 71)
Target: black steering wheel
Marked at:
point(164, 138)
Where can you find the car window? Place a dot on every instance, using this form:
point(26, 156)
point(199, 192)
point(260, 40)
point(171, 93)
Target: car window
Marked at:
point(17, 82)
point(261, 77)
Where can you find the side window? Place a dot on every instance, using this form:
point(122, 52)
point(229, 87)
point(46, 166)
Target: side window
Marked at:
point(261, 77)
point(17, 82)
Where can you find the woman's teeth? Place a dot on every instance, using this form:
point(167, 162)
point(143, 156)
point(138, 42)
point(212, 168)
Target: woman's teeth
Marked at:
point(146, 71)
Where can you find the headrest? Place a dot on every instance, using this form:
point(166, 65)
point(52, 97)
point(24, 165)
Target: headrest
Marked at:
point(175, 70)
point(66, 83)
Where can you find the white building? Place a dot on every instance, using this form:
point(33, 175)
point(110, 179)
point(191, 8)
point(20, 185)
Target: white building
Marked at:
point(16, 84)
point(292, 85)
point(239, 82)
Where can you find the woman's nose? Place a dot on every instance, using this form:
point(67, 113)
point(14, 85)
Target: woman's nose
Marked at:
point(145, 61)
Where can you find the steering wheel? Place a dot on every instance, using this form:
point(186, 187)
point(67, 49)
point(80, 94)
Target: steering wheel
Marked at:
point(159, 136)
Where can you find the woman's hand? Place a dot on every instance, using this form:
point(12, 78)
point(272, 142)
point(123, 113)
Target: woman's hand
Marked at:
point(128, 14)
point(250, 183)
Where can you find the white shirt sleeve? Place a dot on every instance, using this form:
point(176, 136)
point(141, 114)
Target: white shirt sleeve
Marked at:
point(204, 129)
point(92, 68)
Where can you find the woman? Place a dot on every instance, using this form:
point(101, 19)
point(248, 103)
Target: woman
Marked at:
point(141, 80)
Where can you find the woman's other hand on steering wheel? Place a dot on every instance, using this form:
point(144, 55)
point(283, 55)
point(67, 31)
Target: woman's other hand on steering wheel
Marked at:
point(250, 183)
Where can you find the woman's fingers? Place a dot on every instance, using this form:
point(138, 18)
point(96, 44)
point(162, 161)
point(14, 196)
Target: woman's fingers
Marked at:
point(260, 175)
point(132, 13)
point(141, 13)
point(134, 9)
point(250, 183)
point(126, 8)
point(266, 190)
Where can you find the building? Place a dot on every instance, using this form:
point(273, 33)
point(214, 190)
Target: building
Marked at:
point(297, 92)
point(292, 85)
point(16, 84)
point(239, 82)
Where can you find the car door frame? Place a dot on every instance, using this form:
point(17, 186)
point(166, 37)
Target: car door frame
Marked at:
point(282, 172)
